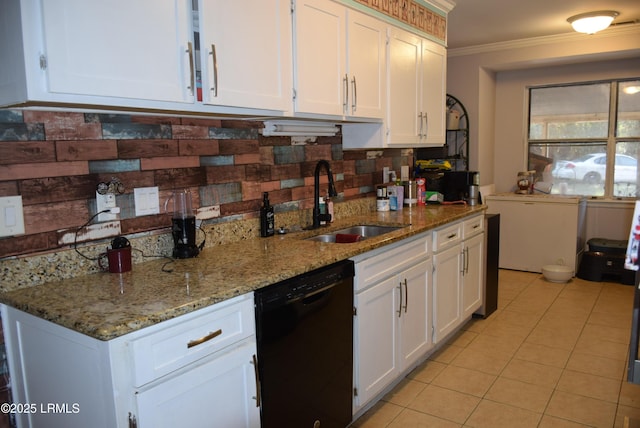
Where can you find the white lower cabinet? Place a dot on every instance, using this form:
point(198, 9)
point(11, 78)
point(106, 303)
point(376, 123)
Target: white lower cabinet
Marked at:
point(217, 392)
point(457, 274)
point(393, 320)
point(195, 370)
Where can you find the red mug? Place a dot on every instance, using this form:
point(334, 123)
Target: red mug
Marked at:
point(119, 260)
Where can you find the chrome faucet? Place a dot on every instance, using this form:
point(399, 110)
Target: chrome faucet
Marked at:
point(317, 217)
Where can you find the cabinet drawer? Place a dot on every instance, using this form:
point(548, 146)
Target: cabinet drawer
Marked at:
point(174, 344)
point(447, 236)
point(378, 267)
point(472, 226)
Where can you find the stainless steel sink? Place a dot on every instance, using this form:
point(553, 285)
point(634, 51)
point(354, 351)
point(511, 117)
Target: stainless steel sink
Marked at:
point(354, 233)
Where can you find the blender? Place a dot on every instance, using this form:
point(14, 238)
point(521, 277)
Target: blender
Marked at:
point(183, 225)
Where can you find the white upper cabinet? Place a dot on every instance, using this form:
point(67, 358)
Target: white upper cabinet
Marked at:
point(79, 51)
point(417, 88)
point(405, 108)
point(144, 54)
point(246, 62)
point(367, 65)
point(339, 61)
point(434, 93)
point(319, 57)
point(416, 82)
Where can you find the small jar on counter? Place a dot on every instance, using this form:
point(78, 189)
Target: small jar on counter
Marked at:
point(382, 200)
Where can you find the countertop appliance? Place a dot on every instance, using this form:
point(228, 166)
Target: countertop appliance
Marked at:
point(183, 226)
point(456, 184)
point(304, 329)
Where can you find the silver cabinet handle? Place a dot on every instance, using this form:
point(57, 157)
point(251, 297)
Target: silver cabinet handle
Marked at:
point(406, 296)
point(345, 97)
point(466, 260)
point(214, 63)
point(354, 95)
point(420, 118)
point(203, 339)
point(462, 261)
point(425, 115)
point(400, 301)
point(257, 374)
point(193, 75)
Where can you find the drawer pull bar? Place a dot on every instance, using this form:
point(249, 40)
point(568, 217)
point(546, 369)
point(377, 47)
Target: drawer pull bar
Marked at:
point(203, 339)
point(453, 235)
point(257, 373)
point(189, 52)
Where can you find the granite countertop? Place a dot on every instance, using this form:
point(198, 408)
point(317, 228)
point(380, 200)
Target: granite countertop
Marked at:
point(105, 305)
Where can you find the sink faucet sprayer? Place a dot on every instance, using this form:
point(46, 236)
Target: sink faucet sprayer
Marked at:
point(317, 217)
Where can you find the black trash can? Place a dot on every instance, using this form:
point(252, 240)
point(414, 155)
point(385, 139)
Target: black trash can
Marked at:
point(605, 260)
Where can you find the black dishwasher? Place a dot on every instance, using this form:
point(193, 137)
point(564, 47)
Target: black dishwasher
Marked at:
point(305, 349)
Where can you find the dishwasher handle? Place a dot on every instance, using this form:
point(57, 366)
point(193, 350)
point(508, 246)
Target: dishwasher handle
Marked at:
point(309, 297)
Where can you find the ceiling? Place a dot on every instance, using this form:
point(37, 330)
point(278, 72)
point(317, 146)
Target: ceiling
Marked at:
point(479, 22)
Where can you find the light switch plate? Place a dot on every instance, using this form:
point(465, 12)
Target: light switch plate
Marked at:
point(147, 200)
point(11, 216)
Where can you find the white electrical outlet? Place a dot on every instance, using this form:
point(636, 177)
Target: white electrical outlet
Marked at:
point(106, 202)
point(11, 216)
point(147, 200)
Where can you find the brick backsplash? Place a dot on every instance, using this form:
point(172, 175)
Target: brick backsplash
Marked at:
point(55, 159)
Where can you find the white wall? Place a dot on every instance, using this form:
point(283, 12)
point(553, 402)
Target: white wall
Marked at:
point(490, 81)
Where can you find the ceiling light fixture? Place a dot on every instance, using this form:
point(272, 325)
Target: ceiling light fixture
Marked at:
point(592, 22)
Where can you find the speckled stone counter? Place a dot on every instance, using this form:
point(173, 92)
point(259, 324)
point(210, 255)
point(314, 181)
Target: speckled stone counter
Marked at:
point(106, 305)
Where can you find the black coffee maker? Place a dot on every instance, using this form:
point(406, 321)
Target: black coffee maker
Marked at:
point(455, 185)
point(183, 226)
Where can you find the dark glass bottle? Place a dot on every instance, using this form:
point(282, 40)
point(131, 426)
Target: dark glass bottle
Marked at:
point(267, 218)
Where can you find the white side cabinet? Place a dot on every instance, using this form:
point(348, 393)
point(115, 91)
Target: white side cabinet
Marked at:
point(458, 272)
point(188, 371)
point(392, 328)
point(339, 61)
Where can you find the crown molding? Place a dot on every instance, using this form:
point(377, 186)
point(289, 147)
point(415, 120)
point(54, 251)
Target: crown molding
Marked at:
point(544, 40)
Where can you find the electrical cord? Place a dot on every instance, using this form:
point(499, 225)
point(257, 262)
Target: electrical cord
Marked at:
point(93, 259)
point(164, 266)
point(75, 239)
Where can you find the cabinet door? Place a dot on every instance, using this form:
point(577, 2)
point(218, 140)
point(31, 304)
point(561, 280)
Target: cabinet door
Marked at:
point(246, 68)
point(376, 339)
point(473, 277)
point(119, 48)
point(53, 364)
point(433, 93)
point(218, 392)
point(366, 50)
point(320, 79)
point(446, 291)
point(404, 117)
point(415, 320)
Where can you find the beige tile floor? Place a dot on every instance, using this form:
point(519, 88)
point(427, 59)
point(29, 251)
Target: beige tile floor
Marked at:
point(552, 355)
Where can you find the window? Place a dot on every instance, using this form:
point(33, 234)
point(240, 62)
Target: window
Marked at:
point(584, 139)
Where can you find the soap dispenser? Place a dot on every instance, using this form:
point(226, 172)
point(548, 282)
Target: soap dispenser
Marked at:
point(267, 218)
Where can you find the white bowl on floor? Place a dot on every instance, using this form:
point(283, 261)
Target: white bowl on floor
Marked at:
point(557, 273)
